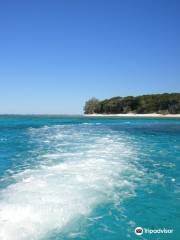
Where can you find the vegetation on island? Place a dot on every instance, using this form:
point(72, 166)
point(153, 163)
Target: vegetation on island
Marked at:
point(166, 103)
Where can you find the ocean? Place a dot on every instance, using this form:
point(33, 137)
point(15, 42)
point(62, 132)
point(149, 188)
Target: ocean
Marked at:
point(89, 178)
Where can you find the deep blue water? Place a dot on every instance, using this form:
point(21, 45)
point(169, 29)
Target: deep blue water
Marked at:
point(88, 178)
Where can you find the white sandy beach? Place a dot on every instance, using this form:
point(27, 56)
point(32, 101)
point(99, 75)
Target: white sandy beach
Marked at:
point(148, 115)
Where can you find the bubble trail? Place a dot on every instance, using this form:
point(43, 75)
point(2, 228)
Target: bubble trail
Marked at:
point(80, 168)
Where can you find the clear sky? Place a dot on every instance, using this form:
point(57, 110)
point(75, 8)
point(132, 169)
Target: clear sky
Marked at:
point(55, 54)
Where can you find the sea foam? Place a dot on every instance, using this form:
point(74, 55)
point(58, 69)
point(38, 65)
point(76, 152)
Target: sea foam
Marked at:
point(68, 183)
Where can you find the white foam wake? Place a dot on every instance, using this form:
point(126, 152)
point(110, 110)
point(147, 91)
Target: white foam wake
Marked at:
point(49, 197)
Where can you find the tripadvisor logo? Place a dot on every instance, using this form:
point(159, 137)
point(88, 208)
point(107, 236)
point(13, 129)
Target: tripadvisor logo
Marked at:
point(139, 231)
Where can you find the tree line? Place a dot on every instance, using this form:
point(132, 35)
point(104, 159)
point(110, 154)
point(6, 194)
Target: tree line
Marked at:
point(166, 103)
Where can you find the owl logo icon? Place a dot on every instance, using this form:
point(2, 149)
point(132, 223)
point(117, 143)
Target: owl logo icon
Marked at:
point(138, 231)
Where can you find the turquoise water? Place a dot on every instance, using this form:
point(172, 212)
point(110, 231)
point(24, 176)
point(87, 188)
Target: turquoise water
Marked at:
point(88, 178)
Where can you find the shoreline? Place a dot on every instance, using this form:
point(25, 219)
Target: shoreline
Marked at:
point(123, 115)
point(134, 115)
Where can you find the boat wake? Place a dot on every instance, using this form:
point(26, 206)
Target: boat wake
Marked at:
point(80, 169)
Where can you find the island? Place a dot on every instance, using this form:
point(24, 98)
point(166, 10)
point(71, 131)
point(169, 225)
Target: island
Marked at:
point(165, 104)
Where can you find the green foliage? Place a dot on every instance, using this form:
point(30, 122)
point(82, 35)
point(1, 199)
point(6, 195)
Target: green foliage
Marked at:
point(155, 103)
point(91, 106)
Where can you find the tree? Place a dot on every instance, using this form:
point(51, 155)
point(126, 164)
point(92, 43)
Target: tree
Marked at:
point(153, 103)
point(91, 106)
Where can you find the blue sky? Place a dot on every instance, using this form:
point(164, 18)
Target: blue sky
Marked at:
point(55, 54)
